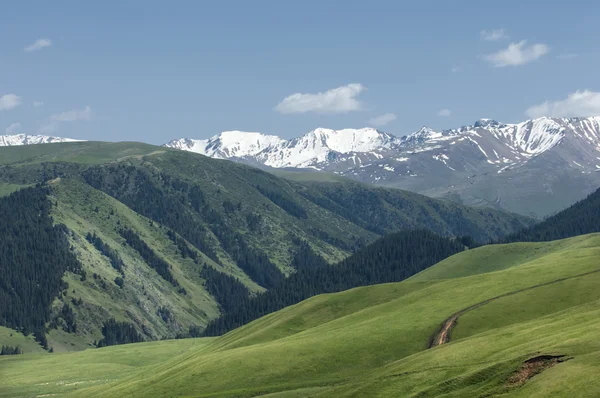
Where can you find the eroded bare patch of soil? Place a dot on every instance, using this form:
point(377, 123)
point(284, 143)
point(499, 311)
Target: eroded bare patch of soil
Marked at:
point(532, 367)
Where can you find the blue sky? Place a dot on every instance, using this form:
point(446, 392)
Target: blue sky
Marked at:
point(153, 71)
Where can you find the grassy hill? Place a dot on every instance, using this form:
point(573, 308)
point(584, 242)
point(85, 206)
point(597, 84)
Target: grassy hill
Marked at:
point(528, 326)
point(194, 213)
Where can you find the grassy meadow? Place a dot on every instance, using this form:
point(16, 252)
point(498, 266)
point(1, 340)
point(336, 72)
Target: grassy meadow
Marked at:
point(372, 341)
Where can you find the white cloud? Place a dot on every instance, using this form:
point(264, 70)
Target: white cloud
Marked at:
point(13, 128)
point(9, 101)
point(517, 54)
point(64, 117)
point(37, 104)
point(577, 104)
point(38, 45)
point(493, 35)
point(444, 112)
point(73, 115)
point(382, 120)
point(566, 56)
point(337, 100)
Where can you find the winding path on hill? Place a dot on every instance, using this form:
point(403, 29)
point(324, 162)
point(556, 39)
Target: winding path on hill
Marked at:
point(443, 335)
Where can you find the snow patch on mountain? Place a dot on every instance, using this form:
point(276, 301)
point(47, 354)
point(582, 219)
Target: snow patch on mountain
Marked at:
point(26, 139)
point(367, 152)
point(318, 146)
point(228, 144)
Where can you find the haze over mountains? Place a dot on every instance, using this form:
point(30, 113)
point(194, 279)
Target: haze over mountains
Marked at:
point(511, 166)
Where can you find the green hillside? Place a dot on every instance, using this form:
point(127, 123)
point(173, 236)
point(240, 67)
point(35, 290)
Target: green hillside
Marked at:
point(581, 218)
point(149, 225)
point(527, 326)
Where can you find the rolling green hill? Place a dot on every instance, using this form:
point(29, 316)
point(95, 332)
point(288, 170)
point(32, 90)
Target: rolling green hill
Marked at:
point(148, 224)
point(527, 326)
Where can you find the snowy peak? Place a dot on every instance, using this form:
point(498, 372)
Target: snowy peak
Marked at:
point(322, 146)
point(498, 145)
point(538, 135)
point(26, 139)
point(317, 146)
point(484, 123)
point(229, 144)
point(349, 140)
point(420, 137)
point(240, 143)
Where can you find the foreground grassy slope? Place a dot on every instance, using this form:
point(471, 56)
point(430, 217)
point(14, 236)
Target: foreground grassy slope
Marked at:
point(372, 341)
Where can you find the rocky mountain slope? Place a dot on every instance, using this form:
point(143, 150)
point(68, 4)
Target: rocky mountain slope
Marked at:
point(536, 167)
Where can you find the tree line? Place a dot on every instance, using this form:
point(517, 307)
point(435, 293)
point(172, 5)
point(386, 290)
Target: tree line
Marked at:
point(392, 258)
point(34, 255)
point(155, 262)
point(118, 333)
point(183, 207)
point(581, 218)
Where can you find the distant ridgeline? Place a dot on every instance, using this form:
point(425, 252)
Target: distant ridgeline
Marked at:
point(581, 218)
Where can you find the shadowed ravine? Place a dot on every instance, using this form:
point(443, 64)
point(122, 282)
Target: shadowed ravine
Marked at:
point(443, 335)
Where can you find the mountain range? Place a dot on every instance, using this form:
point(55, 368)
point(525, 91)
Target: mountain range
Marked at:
point(117, 243)
point(534, 168)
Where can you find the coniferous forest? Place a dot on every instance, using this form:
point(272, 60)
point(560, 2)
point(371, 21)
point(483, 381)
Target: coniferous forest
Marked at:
point(118, 333)
point(390, 259)
point(34, 255)
point(581, 218)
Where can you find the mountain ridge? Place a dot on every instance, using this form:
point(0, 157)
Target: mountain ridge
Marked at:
point(471, 164)
point(27, 139)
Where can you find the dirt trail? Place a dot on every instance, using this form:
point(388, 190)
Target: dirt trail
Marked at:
point(443, 335)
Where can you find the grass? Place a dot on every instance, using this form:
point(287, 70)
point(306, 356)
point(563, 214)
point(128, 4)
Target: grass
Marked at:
point(13, 338)
point(6, 188)
point(372, 341)
point(84, 209)
point(88, 152)
point(72, 371)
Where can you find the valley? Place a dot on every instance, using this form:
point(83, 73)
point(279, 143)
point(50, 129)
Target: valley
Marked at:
point(168, 241)
point(299, 200)
point(372, 340)
point(185, 275)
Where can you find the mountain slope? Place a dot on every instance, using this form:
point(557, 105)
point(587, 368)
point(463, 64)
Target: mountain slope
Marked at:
point(535, 167)
point(373, 341)
point(161, 233)
point(581, 218)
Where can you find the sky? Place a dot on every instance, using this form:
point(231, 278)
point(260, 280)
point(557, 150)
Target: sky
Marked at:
point(154, 71)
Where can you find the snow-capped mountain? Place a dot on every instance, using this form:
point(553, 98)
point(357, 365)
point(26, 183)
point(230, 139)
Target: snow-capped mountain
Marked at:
point(228, 144)
point(26, 139)
point(534, 167)
point(316, 147)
